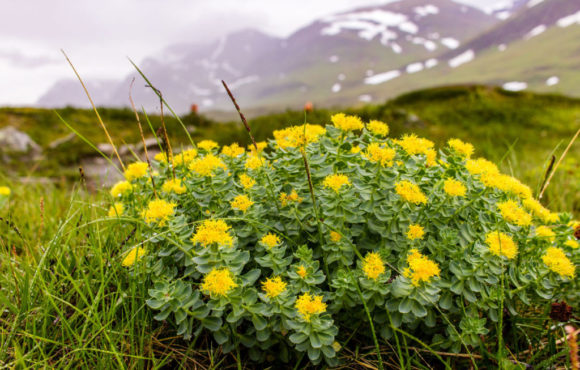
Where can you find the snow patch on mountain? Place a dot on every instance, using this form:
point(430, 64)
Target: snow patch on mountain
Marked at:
point(569, 20)
point(503, 15)
point(423, 11)
point(431, 63)
point(462, 58)
point(515, 86)
point(396, 48)
point(382, 77)
point(535, 31)
point(554, 80)
point(414, 67)
point(428, 44)
point(532, 3)
point(366, 98)
point(450, 42)
point(243, 81)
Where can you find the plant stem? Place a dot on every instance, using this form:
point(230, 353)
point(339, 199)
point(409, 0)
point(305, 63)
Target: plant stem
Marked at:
point(377, 347)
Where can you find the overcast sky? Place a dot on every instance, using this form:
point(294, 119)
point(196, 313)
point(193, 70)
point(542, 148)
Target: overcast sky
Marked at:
point(99, 35)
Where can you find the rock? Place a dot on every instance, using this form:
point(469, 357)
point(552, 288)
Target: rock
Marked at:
point(13, 140)
point(15, 143)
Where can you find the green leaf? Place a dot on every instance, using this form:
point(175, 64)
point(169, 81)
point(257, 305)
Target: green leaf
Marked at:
point(457, 287)
point(259, 322)
point(212, 323)
point(315, 340)
point(418, 309)
point(405, 305)
point(298, 338)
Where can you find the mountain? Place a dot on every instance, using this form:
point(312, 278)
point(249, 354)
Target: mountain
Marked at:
point(363, 55)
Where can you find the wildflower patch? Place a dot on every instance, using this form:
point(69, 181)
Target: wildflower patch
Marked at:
point(288, 248)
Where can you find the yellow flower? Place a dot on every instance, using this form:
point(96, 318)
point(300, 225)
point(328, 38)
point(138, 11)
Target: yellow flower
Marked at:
point(431, 157)
point(377, 154)
point(270, 240)
point(4, 190)
point(480, 166)
point(297, 136)
point(233, 150)
point(207, 165)
point(161, 157)
point(514, 214)
point(571, 243)
point(136, 170)
point(116, 209)
point(539, 211)
point(134, 254)
point(420, 268)
point(373, 266)
point(501, 244)
point(302, 271)
point(308, 305)
point(207, 145)
point(174, 185)
point(454, 188)
point(507, 184)
point(185, 157)
point(261, 146)
point(213, 231)
point(254, 162)
point(288, 198)
point(378, 128)
point(410, 192)
point(336, 181)
point(273, 287)
point(241, 202)
point(120, 188)
point(335, 237)
point(158, 211)
point(415, 232)
point(545, 233)
point(414, 145)
point(355, 149)
point(461, 148)
point(246, 181)
point(218, 282)
point(346, 123)
point(557, 261)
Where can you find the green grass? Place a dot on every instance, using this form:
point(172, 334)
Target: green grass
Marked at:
point(65, 300)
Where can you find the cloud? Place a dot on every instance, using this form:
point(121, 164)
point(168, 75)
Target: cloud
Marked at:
point(99, 35)
point(16, 58)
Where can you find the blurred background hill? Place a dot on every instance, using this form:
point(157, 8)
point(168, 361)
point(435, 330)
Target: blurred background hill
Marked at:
point(359, 56)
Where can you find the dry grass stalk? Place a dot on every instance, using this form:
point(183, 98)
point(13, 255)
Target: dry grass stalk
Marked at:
point(142, 138)
point(95, 109)
point(559, 161)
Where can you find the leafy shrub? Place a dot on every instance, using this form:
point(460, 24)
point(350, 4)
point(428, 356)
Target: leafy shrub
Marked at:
point(282, 247)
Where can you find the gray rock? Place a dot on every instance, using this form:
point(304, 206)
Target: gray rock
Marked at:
point(12, 140)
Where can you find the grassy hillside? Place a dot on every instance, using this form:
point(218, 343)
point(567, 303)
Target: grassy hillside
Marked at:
point(520, 130)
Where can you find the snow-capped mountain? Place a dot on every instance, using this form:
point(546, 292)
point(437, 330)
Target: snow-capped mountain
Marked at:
point(363, 55)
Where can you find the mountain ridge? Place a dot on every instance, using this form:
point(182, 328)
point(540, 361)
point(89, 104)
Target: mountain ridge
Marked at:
point(345, 58)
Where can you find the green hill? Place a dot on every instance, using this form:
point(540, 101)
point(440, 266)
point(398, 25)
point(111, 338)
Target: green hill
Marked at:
point(520, 131)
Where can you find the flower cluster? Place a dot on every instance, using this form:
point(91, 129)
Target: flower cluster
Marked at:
point(336, 182)
point(420, 269)
point(245, 243)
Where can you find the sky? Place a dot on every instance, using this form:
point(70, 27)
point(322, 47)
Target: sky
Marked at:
point(98, 36)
